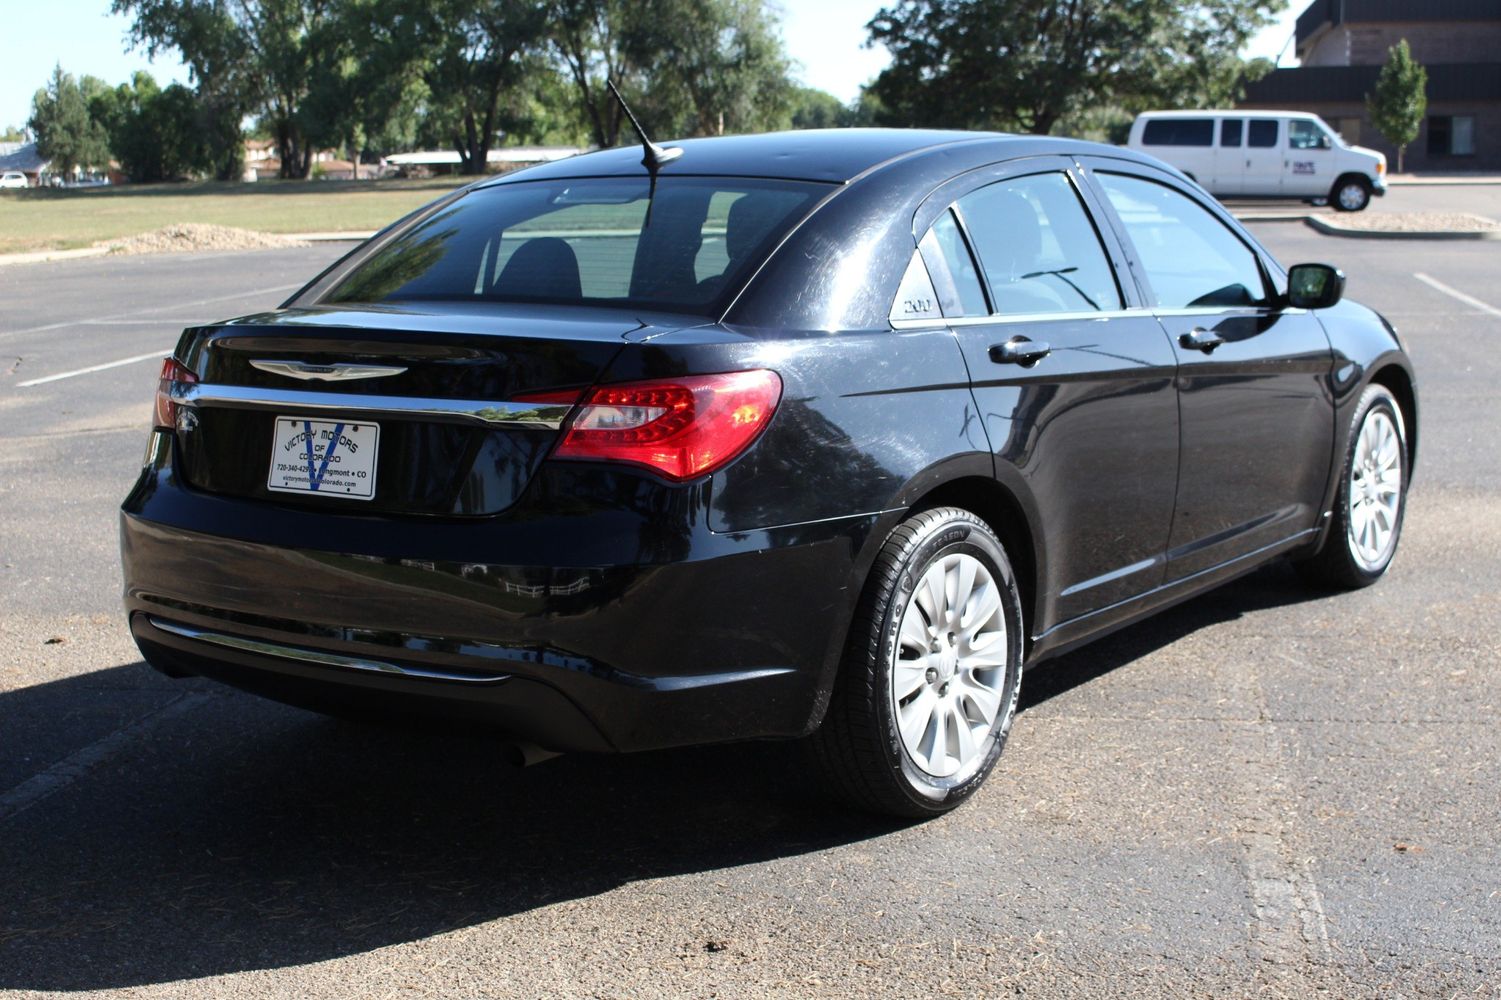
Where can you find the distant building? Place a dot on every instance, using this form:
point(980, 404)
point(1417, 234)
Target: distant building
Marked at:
point(23, 156)
point(1342, 45)
point(500, 159)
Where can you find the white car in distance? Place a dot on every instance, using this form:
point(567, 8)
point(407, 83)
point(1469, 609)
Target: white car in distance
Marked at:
point(13, 179)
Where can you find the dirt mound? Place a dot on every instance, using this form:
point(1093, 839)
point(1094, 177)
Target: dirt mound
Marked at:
point(192, 236)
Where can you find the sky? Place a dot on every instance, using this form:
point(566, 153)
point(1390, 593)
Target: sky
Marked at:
point(825, 38)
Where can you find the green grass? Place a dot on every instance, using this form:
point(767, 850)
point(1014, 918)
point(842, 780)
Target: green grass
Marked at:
point(43, 219)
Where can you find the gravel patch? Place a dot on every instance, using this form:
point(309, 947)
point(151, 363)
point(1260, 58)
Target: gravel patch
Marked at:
point(192, 236)
point(1416, 222)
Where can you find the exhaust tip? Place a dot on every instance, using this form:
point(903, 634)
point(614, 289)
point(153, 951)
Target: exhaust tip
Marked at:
point(527, 754)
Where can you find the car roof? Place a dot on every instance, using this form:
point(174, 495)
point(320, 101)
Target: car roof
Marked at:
point(1231, 113)
point(831, 155)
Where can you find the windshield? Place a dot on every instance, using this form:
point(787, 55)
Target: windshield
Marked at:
point(588, 242)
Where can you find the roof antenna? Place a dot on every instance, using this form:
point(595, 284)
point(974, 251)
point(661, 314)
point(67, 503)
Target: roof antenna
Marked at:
point(653, 156)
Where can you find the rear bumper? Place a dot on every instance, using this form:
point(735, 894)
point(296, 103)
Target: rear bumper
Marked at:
point(702, 638)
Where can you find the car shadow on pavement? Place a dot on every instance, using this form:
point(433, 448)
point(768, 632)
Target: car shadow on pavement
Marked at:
point(244, 835)
point(1273, 586)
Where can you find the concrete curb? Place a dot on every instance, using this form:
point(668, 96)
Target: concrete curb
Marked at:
point(47, 256)
point(1333, 229)
point(43, 256)
point(1478, 179)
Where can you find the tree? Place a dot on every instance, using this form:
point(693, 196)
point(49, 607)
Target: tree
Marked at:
point(688, 67)
point(814, 108)
point(66, 133)
point(1027, 64)
point(479, 53)
point(205, 34)
point(156, 134)
point(1400, 100)
point(12, 134)
point(259, 55)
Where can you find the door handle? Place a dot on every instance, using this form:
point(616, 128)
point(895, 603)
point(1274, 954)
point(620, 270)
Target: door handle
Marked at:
point(1019, 351)
point(1200, 339)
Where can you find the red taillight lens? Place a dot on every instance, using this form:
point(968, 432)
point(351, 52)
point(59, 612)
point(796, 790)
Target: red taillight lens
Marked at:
point(172, 371)
point(680, 428)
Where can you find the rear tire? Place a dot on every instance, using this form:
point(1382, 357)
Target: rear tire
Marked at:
point(1372, 499)
point(927, 689)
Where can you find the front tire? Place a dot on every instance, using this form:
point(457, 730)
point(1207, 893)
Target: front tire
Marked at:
point(1350, 194)
point(1372, 499)
point(928, 686)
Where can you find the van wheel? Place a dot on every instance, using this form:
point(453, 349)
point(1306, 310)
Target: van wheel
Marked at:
point(929, 681)
point(1350, 194)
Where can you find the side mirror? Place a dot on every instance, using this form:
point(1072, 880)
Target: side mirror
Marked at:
point(1314, 286)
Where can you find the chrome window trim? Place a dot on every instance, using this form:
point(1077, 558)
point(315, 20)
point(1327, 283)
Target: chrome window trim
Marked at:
point(313, 656)
point(1129, 311)
point(535, 416)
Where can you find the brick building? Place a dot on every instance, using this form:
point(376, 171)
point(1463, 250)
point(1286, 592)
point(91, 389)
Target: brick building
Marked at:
point(1342, 45)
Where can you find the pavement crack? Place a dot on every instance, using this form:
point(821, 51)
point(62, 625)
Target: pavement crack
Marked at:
point(1288, 925)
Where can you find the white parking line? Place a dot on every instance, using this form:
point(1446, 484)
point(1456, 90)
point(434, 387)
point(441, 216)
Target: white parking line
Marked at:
point(154, 309)
point(1455, 293)
point(79, 763)
point(158, 355)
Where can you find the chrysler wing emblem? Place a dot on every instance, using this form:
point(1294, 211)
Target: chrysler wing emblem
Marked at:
point(325, 373)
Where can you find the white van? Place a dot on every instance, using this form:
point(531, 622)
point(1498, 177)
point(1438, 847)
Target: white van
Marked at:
point(1263, 154)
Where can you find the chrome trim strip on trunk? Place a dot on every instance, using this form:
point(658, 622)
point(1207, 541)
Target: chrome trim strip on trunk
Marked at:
point(534, 416)
point(313, 656)
point(325, 373)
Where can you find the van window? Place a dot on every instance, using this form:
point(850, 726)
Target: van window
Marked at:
point(1179, 132)
point(1262, 134)
point(1304, 134)
point(1230, 132)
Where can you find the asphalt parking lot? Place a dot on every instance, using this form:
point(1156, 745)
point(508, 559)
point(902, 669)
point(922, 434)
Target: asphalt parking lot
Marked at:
point(1264, 792)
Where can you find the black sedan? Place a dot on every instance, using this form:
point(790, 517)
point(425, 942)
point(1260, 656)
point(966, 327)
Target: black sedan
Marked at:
point(815, 435)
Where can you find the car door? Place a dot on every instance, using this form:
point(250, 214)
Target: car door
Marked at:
point(1229, 158)
point(1073, 377)
point(1264, 157)
point(1310, 159)
point(1256, 420)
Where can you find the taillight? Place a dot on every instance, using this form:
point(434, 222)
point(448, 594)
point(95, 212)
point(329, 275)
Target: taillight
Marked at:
point(680, 428)
point(172, 371)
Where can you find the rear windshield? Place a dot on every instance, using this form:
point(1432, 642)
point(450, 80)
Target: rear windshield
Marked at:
point(600, 241)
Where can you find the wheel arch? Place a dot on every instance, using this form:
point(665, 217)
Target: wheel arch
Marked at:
point(1398, 382)
point(1007, 517)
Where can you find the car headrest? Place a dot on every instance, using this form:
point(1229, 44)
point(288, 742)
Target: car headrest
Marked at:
point(544, 267)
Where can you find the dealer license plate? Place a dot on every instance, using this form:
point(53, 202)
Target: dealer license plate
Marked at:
point(328, 457)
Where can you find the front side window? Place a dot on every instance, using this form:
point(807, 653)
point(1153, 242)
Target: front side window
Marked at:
point(1261, 134)
point(1304, 134)
point(588, 242)
point(1038, 248)
point(1191, 259)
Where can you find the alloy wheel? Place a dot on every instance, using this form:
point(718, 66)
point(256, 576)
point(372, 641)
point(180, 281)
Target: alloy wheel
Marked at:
point(948, 679)
point(1375, 491)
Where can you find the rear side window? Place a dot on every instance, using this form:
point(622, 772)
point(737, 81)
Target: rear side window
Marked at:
point(1179, 132)
point(1038, 248)
point(955, 277)
point(1261, 134)
point(588, 242)
point(1230, 132)
point(1191, 259)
